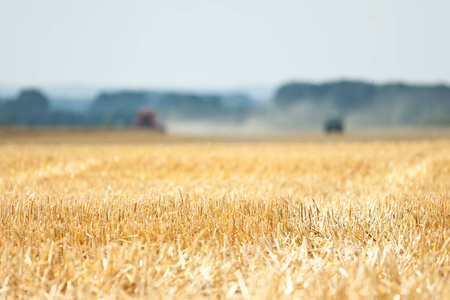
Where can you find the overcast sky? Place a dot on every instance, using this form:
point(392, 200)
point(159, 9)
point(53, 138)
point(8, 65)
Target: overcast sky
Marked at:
point(194, 43)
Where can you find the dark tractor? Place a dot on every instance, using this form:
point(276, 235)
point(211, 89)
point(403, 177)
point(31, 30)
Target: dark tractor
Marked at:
point(334, 125)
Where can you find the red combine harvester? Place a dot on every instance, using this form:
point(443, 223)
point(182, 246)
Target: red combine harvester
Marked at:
point(147, 118)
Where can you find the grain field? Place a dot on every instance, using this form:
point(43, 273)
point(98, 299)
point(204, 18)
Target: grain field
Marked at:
point(271, 220)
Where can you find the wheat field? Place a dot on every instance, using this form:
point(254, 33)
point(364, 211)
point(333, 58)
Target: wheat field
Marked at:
point(271, 220)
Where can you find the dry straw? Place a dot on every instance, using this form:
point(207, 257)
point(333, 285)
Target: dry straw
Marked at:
point(332, 221)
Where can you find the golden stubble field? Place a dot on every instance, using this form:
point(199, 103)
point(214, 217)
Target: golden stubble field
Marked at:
point(328, 220)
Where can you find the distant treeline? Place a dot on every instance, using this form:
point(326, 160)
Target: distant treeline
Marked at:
point(363, 103)
point(294, 105)
point(32, 107)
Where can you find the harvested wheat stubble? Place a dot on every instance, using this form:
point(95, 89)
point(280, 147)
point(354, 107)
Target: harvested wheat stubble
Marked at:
point(266, 220)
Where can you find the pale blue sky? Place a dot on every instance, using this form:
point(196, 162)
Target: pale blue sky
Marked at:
point(184, 43)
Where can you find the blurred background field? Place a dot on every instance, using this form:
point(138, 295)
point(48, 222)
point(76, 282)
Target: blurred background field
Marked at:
point(61, 135)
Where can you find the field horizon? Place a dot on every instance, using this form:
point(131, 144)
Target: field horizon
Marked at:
point(133, 135)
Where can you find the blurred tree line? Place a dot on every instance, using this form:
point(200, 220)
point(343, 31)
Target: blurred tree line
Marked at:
point(294, 105)
point(32, 107)
point(393, 104)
